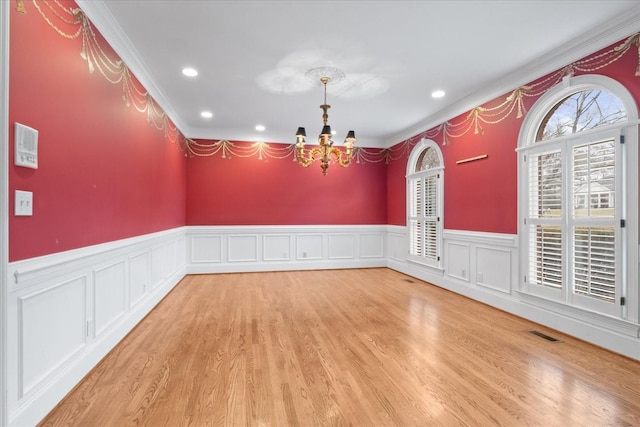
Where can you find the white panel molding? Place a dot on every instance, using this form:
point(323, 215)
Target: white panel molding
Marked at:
point(243, 248)
point(397, 243)
point(372, 245)
point(494, 267)
point(139, 269)
point(51, 330)
point(277, 248)
point(341, 246)
point(614, 334)
point(457, 260)
point(158, 265)
point(117, 293)
point(309, 247)
point(205, 249)
point(109, 295)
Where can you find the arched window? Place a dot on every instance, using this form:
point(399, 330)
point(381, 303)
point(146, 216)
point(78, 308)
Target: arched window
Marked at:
point(573, 195)
point(425, 176)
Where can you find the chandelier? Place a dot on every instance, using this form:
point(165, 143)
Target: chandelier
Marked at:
point(325, 152)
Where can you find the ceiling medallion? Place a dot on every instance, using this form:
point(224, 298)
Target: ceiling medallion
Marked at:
point(326, 152)
point(332, 74)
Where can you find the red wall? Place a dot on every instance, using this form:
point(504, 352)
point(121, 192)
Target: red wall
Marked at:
point(249, 191)
point(482, 195)
point(104, 173)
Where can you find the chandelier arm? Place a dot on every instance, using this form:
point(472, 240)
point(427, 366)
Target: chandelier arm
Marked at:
point(306, 159)
point(340, 157)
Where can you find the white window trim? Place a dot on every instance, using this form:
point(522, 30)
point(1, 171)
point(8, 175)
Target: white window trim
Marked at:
point(628, 179)
point(410, 174)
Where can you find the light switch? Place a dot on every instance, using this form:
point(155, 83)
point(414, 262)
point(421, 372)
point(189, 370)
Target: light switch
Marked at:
point(24, 203)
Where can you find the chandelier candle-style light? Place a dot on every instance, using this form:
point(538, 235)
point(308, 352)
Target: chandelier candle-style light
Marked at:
point(325, 152)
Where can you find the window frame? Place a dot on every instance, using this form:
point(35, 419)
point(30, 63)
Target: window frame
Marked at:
point(413, 175)
point(626, 172)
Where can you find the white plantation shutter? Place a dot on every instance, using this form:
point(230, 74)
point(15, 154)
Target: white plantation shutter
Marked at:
point(545, 261)
point(423, 217)
point(545, 185)
point(594, 223)
point(594, 266)
point(415, 215)
point(545, 212)
point(431, 217)
point(424, 195)
point(572, 225)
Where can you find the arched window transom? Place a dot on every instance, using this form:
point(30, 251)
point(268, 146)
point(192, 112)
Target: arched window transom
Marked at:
point(581, 111)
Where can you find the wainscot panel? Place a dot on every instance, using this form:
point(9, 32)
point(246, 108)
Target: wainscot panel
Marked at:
point(205, 249)
point(243, 248)
point(371, 246)
point(274, 248)
point(51, 330)
point(66, 311)
point(139, 266)
point(277, 247)
point(341, 246)
point(457, 260)
point(109, 285)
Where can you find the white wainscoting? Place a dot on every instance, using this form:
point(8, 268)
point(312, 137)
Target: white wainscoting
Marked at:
point(484, 267)
point(67, 310)
point(223, 249)
point(486, 260)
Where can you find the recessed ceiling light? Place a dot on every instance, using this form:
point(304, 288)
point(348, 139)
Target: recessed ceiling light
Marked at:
point(206, 114)
point(260, 128)
point(189, 72)
point(437, 94)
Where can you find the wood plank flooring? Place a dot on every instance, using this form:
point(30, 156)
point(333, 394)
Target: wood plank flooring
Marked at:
point(366, 347)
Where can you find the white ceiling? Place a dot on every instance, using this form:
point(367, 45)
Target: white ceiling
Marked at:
point(252, 57)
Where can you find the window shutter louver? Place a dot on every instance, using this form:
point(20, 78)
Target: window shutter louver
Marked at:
point(545, 209)
point(594, 244)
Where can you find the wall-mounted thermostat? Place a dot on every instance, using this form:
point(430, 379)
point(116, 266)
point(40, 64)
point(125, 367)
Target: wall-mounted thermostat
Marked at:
point(26, 147)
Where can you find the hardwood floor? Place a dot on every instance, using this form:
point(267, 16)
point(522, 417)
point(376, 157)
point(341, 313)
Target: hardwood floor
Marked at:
point(346, 347)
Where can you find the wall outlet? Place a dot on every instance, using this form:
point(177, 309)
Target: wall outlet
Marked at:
point(24, 203)
point(480, 278)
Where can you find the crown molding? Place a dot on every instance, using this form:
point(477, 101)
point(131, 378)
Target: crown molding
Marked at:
point(102, 18)
point(615, 30)
point(580, 47)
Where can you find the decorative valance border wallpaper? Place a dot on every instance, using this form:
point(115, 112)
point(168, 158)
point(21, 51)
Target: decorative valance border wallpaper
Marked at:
point(72, 23)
